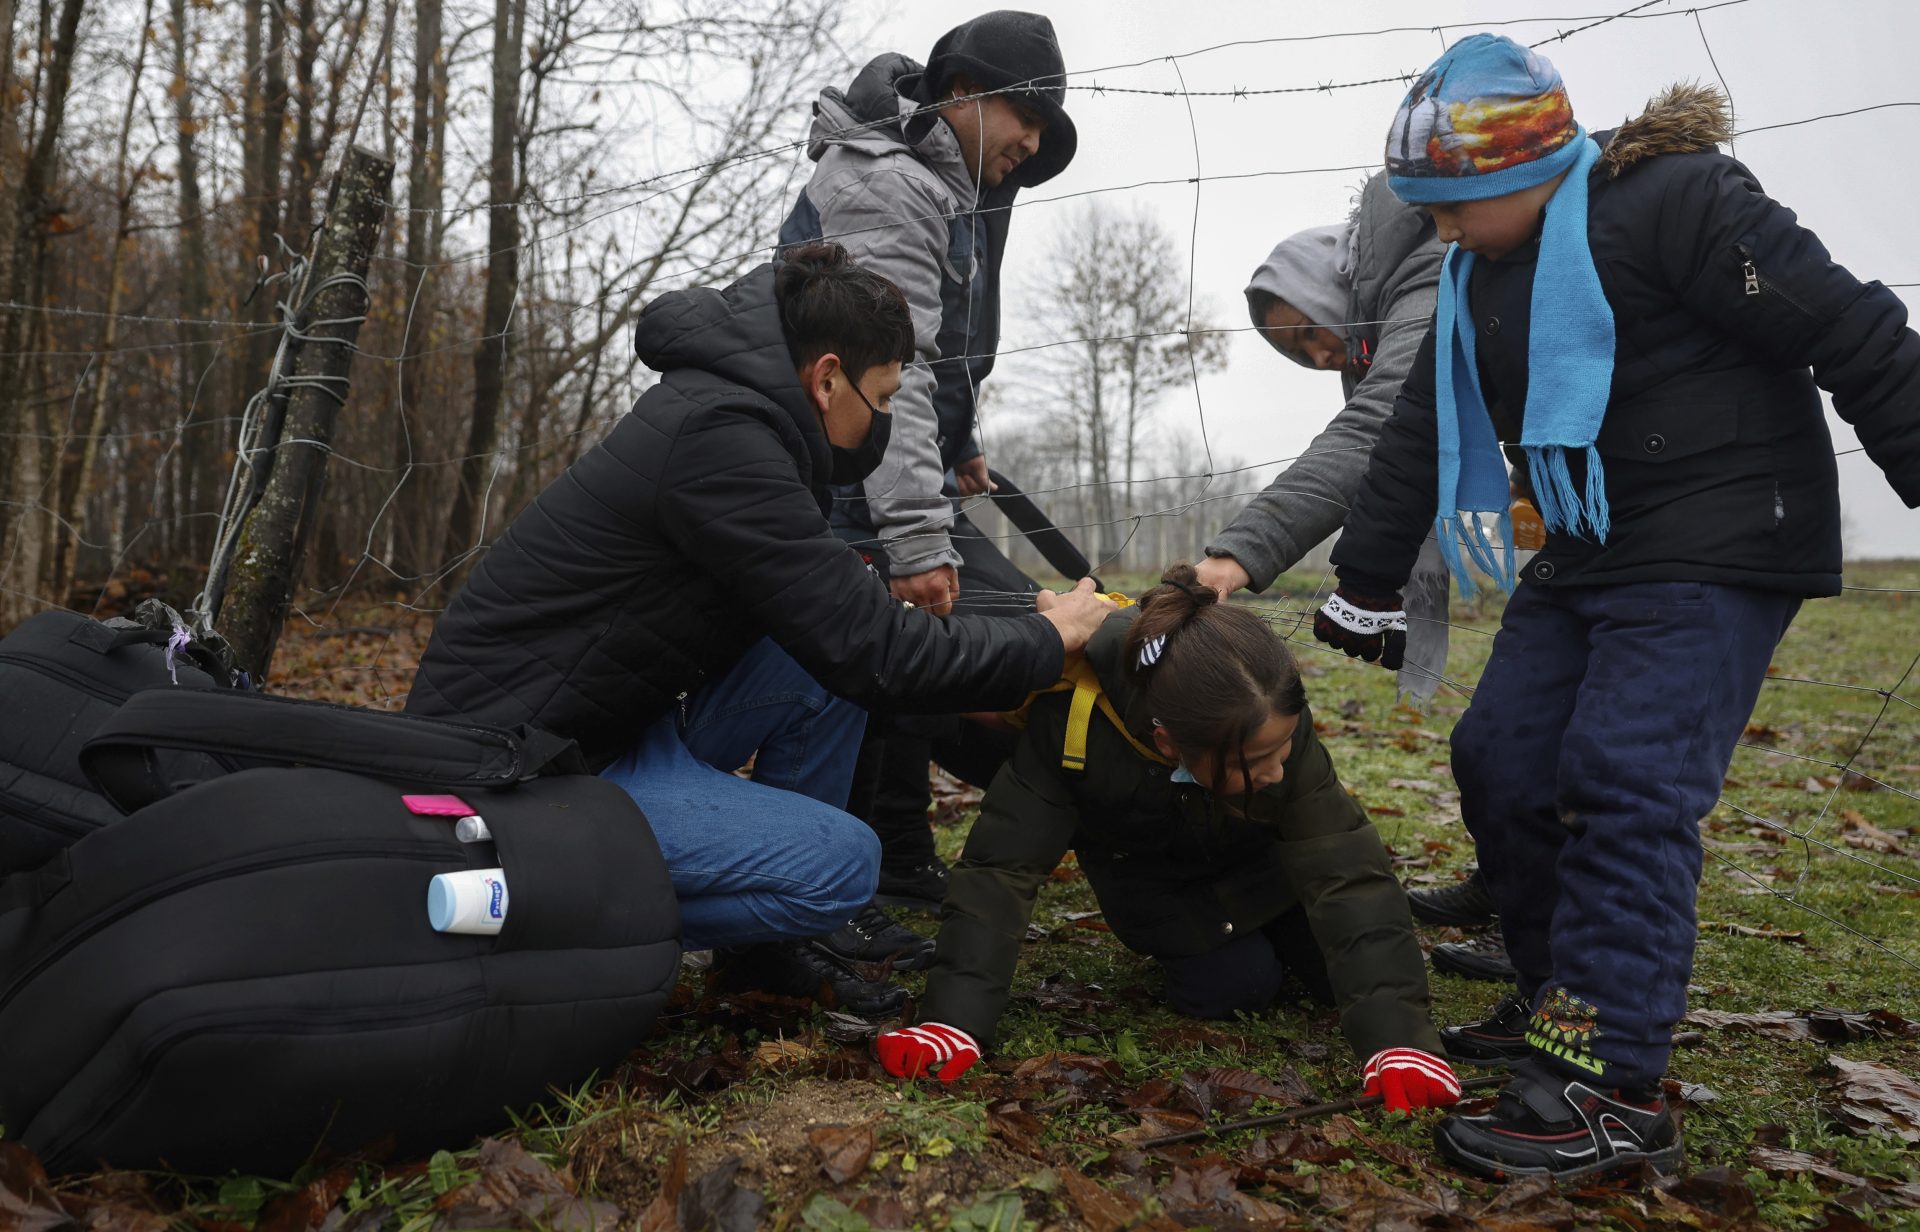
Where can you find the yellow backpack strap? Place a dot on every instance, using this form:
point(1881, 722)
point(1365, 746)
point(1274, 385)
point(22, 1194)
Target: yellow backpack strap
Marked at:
point(1086, 691)
point(1087, 695)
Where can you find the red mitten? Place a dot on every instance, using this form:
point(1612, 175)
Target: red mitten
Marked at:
point(1408, 1078)
point(930, 1048)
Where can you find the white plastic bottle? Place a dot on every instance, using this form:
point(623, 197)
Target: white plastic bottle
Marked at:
point(473, 901)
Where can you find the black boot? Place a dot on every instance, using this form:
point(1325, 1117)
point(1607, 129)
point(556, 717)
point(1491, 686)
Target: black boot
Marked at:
point(1548, 1124)
point(1478, 958)
point(871, 937)
point(1501, 1039)
point(919, 887)
point(1464, 904)
point(798, 969)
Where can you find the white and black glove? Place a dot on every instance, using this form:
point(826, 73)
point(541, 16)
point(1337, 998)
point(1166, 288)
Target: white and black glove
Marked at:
point(1370, 627)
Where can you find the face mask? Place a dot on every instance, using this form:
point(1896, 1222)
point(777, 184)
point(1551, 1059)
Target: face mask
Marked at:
point(851, 465)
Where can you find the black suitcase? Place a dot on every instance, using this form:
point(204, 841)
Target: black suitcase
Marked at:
point(241, 975)
point(61, 676)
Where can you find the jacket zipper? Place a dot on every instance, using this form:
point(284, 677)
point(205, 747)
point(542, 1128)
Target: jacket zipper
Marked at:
point(316, 1022)
point(255, 864)
point(1755, 283)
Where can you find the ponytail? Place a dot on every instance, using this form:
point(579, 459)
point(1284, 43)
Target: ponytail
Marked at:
point(1212, 673)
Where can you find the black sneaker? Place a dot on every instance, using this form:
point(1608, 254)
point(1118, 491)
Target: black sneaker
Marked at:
point(1547, 1124)
point(1478, 958)
point(1464, 904)
point(1500, 1039)
point(797, 969)
point(871, 937)
point(922, 888)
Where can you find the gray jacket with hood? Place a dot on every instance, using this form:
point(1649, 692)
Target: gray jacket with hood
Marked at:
point(893, 188)
point(1396, 278)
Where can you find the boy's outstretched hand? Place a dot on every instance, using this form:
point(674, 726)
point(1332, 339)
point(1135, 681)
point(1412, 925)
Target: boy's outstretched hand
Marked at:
point(1408, 1078)
point(1370, 627)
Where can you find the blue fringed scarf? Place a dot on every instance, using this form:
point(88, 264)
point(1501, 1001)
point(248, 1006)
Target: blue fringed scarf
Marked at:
point(1569, 375)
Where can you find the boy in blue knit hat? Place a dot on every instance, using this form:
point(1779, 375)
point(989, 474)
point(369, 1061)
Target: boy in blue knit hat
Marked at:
point(1633, 313)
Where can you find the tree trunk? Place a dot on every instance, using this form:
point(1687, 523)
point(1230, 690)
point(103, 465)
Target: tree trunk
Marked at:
point(274, 540)
point(411, 504)
point(264, 185)
point(76, 476)
point(503, 276)
point(26, 263)
point(201, 483)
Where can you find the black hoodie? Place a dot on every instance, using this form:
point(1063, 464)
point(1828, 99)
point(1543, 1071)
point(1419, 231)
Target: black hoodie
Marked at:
point(694, 530)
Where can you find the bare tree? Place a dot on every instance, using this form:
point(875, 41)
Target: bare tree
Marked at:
point(1113, 289)
point(503, 278)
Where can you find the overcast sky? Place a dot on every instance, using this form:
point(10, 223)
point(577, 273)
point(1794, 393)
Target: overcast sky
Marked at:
point(1852, 179)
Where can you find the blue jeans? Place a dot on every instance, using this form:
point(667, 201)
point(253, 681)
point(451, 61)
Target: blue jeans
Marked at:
point(1597, 739)
point(773, 858)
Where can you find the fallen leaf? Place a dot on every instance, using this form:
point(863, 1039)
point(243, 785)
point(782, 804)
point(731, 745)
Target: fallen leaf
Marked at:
point(844, 1028)
point(1017, 1127)
point(882, 1211)
point(26, 1201)
point(1832, 1026)
point(779, 1054)
point(1867, 1097)
point(516, 1190)
point(843, 1150)
point(1718, 1191)
point(1857, 831)
point(1158, 1122)
point(1529, 1203)
point(1070, 1068)
point(714, 1203)
point(1765, 931)
point(305, 1208)
point(1101, 1209)
point(1778, 1162)
point(663, 1213)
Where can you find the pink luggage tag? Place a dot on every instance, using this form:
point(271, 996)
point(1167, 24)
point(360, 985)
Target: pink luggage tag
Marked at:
point(468, 826)
point(438, 806)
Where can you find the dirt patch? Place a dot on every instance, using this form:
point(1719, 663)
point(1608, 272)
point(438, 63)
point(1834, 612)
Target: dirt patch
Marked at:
point(624, 1157)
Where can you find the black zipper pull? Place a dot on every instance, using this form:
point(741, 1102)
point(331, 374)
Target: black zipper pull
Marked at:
point(1747, 271)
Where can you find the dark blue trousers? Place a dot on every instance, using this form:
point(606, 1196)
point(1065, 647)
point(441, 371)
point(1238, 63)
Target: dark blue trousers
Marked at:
point(1598, 737)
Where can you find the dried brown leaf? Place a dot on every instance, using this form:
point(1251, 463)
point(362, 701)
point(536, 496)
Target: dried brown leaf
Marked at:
point(1101, 1209)
point(1868, 1097)
point(1778, 1162)
point(843, 1150)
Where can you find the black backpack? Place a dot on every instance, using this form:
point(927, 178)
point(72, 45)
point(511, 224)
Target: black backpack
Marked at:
point(241, 974)
point(62, 675)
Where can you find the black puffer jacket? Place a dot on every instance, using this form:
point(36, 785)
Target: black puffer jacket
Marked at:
point(1719, 466)
point(692, 531)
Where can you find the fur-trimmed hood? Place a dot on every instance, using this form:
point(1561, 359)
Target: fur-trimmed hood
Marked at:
point(1685, 118)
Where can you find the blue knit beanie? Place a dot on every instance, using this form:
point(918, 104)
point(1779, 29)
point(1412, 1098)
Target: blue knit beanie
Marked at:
point(1489, 117)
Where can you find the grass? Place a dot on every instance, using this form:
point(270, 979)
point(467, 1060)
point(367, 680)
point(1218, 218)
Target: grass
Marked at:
point(1007, 1148)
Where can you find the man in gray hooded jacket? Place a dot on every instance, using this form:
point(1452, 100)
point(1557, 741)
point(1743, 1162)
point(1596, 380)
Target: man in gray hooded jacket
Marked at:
point(1355, 298)
point(917, 171)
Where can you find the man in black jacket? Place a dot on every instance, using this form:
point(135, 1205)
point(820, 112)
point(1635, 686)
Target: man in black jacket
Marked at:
point(677, 604)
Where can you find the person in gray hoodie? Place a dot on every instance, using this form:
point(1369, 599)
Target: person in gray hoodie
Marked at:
point(917, 169)
point(1354, 298)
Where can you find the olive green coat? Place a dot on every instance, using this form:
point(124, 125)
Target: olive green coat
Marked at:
point(1176, 874)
